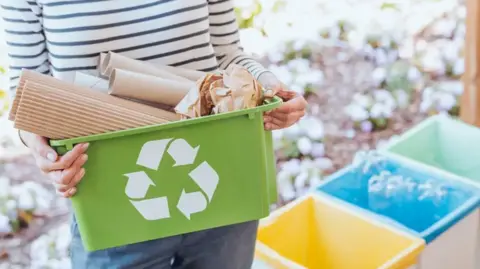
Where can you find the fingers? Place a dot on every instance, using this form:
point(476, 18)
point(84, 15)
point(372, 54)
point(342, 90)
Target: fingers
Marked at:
point(276, 120)
point(69, 177)
point(64, 161)
point(70, 191)
point(41, 148)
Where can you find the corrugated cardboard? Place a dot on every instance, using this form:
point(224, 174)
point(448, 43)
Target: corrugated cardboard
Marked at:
point(33, 76)
point(149, 88)
point(117, 61)
point(60, 114)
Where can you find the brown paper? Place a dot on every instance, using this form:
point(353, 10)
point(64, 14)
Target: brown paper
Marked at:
point(60, 114)
point(233, 89)
point(33, 76)
point(149, 88)
point(116, 61)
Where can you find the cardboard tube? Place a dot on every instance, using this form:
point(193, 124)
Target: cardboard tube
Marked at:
point(190, 74)
point(101, 59)
point(129, 84)
point(116, 61)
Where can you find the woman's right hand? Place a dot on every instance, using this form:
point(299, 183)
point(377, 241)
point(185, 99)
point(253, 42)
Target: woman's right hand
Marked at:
point(65, 171)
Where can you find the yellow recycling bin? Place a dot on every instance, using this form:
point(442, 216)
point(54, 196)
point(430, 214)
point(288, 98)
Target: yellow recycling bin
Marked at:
point(316, 232)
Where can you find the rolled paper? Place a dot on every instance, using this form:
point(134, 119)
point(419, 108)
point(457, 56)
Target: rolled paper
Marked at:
point(92, 82)
point(149, 88)
point(190, 74)
point(116, 61)
point(101, 60)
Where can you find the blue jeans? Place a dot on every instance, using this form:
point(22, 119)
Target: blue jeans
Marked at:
point(229, 247)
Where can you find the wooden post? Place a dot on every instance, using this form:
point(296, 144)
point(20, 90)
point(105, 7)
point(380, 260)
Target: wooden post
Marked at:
point(470, 101)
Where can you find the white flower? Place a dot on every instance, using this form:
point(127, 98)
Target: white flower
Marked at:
point(5, 226)
point(291, 167)
point(414, 74)
point(459, 67)
point(287, 192)
point(453, 87)
point(433, 62)
point(253, 42)
point(444, 27)
point(62, 241)
point(318, 150)
point(315, 181)
point(306, 165)
point(379, 75)
point(299, 65)
point(356, 112)
point(362, 100)
point(323, 164)
point(4, 186)
point(292, 132)
point(26, 201)
point(275, 56)
point(380, 111)
point(301, 180)
point(282, 72)
point(350, 133)
point(402, 98)
point(304, 145)
point(385, 97)
point(311, 77)
point(425, 105)
point(312, 127)
point(446, 101)
point(450, 51)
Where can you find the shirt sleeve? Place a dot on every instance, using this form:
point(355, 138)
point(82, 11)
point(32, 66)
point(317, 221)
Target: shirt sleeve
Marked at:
point(24, 37)
point(225, 38)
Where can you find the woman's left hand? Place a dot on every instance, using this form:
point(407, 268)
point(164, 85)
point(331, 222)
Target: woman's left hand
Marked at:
point(289, 112)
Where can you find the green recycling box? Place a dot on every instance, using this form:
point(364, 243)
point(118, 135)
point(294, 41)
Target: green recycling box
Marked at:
point(169, 179)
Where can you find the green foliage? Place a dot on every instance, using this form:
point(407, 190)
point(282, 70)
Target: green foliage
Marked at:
point(245, 20)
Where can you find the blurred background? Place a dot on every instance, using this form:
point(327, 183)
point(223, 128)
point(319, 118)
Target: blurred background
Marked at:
point(370, 69)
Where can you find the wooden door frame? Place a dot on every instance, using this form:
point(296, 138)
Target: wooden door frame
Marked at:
point(470, 100)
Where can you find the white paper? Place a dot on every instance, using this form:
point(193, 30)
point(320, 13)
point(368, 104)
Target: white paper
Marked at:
point(93, 82)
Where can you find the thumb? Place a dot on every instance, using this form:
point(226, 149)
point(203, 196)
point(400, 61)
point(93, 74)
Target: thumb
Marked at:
point(41, 147)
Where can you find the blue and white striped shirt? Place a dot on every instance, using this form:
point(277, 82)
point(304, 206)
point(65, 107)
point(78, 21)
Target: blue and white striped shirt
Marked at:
point(60, 37)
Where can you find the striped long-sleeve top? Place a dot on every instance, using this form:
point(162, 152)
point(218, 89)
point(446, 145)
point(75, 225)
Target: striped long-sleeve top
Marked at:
point(60, 37)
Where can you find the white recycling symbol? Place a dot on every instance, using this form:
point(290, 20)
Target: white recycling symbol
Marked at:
point(182, 153)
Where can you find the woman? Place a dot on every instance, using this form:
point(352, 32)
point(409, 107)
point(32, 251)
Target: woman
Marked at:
point(60, 37)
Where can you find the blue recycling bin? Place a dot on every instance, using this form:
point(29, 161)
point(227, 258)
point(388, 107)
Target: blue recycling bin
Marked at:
point(422, 203)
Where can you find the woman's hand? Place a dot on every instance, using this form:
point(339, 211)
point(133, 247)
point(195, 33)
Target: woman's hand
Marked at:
point(289, 112)
point(65, 171)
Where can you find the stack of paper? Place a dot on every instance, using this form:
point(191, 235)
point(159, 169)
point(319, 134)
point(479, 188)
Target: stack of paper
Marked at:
point(128, 94)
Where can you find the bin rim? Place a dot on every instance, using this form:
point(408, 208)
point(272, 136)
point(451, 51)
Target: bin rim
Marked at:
point(340, 205)
point(269, 105)
point(415, 247)
point(436, 228)
point(386, 150)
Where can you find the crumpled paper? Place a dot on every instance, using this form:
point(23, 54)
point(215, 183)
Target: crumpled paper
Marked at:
point(229, 90)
